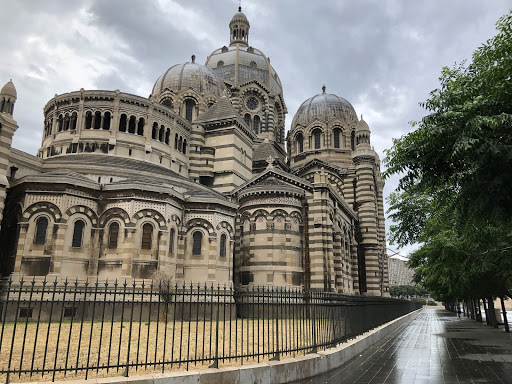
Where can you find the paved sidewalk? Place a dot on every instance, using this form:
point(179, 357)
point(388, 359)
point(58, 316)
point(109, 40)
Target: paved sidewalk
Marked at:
point(436, 347)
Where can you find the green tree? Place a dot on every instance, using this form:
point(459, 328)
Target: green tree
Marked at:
point(455, 191)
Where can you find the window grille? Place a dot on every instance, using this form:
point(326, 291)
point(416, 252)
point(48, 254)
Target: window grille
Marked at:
point(223, 245)
point(41, 227)
point(113, 235)
point(197, 238)
point(78, 232)
point(147, 236)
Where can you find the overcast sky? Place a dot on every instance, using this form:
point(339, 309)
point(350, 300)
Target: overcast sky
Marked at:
point(384, 56)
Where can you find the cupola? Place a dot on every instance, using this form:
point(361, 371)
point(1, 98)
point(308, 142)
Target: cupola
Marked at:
point(239, 29)
point(362, 133)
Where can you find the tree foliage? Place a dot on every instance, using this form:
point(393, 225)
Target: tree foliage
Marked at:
point(455, 191)
point(407, 291)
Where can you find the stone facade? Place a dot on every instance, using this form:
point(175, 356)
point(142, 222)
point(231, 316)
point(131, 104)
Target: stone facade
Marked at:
point(399, 274)
point(198, 181)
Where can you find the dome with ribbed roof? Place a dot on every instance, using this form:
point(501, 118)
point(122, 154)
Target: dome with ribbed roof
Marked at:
point(239, 17)
point(239, 64)
point(9, 90)
point(325, 107)
point(189, 76)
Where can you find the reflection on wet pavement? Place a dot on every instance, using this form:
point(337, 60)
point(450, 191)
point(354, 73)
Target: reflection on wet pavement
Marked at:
point(436, 347)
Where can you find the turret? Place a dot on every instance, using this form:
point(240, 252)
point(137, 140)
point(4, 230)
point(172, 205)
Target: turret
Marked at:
point(362, 134)
point(8, 126)
point(8, 96)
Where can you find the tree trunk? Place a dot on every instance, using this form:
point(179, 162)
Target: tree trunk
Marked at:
point(505, 320)
point(486, 312)
point(492, 314)
point(471, 303)
point(478, 315)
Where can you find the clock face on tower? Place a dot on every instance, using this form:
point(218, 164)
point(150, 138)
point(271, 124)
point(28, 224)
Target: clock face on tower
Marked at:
point(252, 103)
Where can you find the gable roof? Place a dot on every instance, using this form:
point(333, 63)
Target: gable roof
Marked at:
point(222, 110)
point(277, 179)
point(322, 164)
point(264, 150)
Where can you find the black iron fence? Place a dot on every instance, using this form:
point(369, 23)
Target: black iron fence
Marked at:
point(61, 329)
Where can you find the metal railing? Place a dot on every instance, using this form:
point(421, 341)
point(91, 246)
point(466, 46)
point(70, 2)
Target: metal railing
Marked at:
point(81, 329)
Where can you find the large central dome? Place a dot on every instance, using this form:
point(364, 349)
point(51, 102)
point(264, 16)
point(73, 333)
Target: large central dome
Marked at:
point(239, 64)
point(325, 107)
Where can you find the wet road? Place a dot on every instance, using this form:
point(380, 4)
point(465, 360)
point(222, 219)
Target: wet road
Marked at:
point(436, 347)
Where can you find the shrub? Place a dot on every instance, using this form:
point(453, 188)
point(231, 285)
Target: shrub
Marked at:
point(421, 301)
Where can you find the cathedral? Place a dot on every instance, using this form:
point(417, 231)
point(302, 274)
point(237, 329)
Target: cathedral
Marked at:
point(198, 182)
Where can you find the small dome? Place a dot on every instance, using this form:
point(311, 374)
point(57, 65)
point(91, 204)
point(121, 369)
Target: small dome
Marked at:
point(239, 17)
point(189, 76)
point(362, 126)
point(9, 90)
point(325, 107)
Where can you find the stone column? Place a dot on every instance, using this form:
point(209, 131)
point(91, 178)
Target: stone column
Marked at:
point(367, 208)
point(20, 251)
point(128, 248)
point(212, 257)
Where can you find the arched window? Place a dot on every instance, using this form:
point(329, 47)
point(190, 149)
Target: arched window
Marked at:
point(317, 134)
point(73, 121)
point(167, 134)
point(154, 132)
point(247, 119)
point(352, 140)
point(300, 143)
point(197, 238)
point(176, 141)
point(113, 235)
point(60, 122)
point(88, 120)
point(78, 234)
point(167, 102)
point(161, 134)
point(180, 144)
point(189, 107)
point(66, 122)
point(106, 121)
point(223, 245)
point(147, 236)
point(256, 124)
point(184, 149)
point(131, 124)
point(171, 240)
point(41, 227)
point(140, 127)
point(122, 123)
point(337, 134)
point(97, 120)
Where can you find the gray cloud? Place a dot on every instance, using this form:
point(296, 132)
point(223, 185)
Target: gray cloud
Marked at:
point(382, 56)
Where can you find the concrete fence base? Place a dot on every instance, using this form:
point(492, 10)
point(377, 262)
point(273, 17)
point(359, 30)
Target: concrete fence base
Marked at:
point(285, 371)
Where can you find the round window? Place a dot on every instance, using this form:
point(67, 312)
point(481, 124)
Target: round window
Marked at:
point(252, 103)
